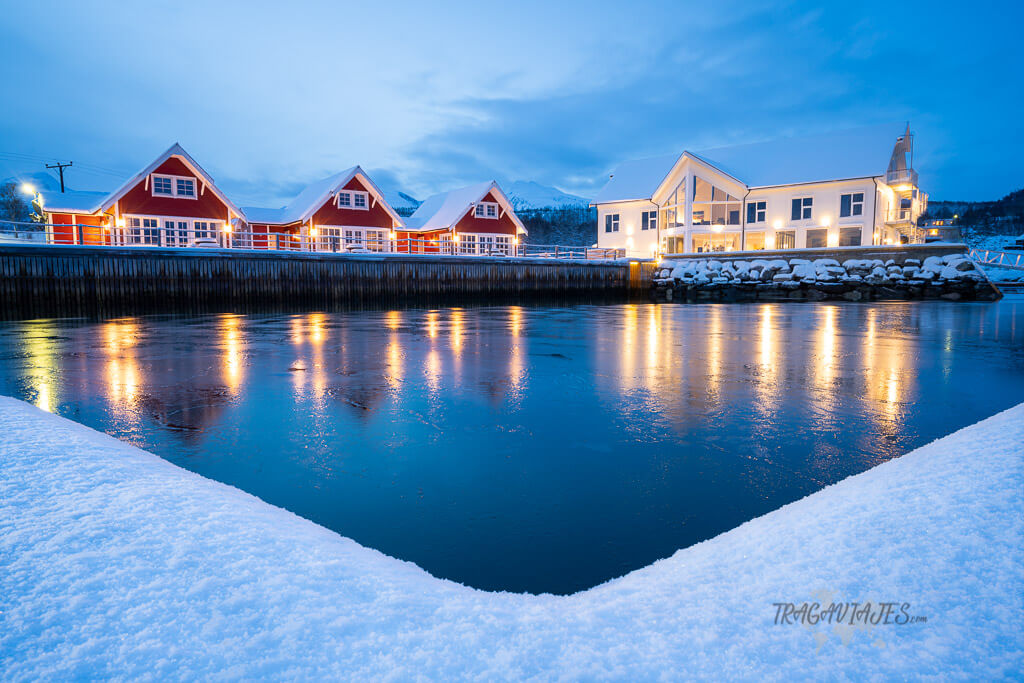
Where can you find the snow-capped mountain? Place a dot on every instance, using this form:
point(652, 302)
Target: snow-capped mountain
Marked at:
point(527, 194)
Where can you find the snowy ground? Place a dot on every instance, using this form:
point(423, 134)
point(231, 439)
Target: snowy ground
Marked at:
point(114, 562)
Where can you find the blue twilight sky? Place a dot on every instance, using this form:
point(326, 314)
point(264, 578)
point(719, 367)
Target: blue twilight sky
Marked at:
point(268, 96)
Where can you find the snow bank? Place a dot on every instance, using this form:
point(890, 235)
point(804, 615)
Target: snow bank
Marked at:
point(115, 562)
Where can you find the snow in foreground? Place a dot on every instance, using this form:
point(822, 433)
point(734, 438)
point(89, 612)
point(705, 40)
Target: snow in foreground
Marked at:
point(114, 562)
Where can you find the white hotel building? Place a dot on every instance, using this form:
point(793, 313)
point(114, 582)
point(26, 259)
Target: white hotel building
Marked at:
point(850, 188)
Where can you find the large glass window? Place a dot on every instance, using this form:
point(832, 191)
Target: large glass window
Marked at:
point(785, 239)
point(851, 204)
point(713, 205)
point(143, 231)
point(754, 241)
point(674, 205)
point(802, 208)
point(817, 238)
point(850, 237)
point(712, 242)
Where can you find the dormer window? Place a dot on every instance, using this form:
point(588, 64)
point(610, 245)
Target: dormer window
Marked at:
point(179, 187)
point(353, 199)
point(487, 210)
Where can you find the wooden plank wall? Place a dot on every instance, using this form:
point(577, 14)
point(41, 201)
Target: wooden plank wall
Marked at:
point(70, 280)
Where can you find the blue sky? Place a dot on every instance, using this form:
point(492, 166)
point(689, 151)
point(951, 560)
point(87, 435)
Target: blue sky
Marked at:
point(268, 96)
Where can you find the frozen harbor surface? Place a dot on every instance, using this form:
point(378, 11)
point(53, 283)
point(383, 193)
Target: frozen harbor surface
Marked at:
point(529, 449)
point(114, 562)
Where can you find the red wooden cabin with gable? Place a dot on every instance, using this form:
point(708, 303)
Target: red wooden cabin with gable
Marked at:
point(172, 202)
point(478, 219)
point(344, 212)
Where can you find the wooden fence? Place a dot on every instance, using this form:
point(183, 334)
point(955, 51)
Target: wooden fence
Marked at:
point(81, 280)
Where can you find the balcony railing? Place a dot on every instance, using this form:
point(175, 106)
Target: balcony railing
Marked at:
point(91, 235)
point(906, 176)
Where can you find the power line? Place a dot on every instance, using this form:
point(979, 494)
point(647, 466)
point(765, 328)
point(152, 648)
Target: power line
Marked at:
point(60, 169)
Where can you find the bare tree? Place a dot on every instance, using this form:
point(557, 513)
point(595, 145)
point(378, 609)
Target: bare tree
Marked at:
point(13, 206)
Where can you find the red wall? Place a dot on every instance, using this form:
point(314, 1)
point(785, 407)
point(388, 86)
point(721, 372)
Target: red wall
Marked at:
point(502, 226)
point(64, 233)
point(418, 242)
point(375, 217)
point(140, 200)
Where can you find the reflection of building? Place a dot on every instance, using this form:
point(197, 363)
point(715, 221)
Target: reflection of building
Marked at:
point(478, 219)
point(821, 191)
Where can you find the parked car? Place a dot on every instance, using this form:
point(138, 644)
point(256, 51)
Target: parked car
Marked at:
point(205, 243)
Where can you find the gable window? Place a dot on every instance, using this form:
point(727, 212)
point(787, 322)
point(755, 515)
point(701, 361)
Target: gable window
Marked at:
point(163, 185)
point(851, 204)
point(486, 210)
point(179, 187)
point(649, 220)
point(802, 208)
point(611, 222)
point(757, 212)
point(353, 199)
point(713, 206)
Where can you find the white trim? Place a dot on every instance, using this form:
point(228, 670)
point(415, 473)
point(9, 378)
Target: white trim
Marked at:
point(483, 209)
point(175, 179)
point(353, 194)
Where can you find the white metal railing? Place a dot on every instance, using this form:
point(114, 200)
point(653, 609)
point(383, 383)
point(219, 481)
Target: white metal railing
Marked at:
point(162, 236)
point(997, 258)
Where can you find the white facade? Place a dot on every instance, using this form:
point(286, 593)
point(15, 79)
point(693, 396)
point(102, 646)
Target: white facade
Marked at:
point(695, 207)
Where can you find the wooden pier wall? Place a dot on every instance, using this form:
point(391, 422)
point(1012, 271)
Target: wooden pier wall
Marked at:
point(81, 280)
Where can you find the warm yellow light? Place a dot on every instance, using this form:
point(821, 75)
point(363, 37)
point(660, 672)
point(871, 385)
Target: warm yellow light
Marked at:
point(888, 240)
point(312, 232)
point(833, 239)
point(777, 224)
point(392, 235)
point(120, 222)
point(716, 228)
point(769, 241)
point(825, 221)
point(227, 228)
point(903, 188)
point(629, 229)
point(515, 240)
point(28, 188)
point(629, 242)
point(455, 237)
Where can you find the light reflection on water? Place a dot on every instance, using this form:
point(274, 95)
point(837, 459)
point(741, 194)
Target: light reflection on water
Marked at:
point(529, 448)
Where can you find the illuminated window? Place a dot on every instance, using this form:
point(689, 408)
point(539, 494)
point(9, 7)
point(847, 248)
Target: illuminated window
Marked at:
point(802, 208)
point(754, 241)
point(649, 220)
point(713, 205)
point(611, 222)
point(757, 212)
point(785, 239)
point(851, 204)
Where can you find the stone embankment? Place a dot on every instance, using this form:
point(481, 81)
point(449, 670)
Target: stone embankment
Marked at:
point(953, 277)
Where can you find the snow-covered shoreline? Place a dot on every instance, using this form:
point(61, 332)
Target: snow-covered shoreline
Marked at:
point(114, 562)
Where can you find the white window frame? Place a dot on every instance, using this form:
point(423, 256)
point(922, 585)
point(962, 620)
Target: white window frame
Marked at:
point(611, 223)
point(174, 186)
point(484, 209)
point(760, 214)
point(217, 229)
point(479, 243)
point(853, 204)
point(803, 208)
point(650, 218)
point(352, 194)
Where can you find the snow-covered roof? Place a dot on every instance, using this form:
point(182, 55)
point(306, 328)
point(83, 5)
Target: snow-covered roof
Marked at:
point(307, 202)
point(855, 153)
point(174, 150)
point(72, 201)
point(637, 179)
point(444, 210)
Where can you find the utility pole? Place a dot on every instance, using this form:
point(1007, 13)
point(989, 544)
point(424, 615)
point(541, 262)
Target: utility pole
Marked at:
point(60, 169)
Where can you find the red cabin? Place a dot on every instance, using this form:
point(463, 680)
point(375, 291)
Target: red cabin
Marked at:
point(345, 212)
point(478, 219)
